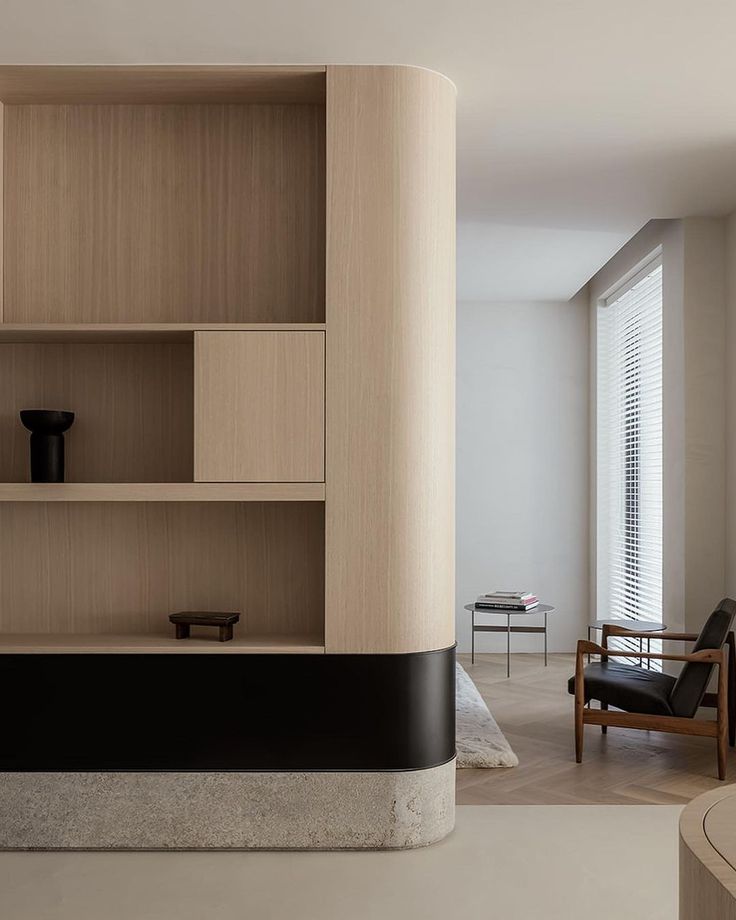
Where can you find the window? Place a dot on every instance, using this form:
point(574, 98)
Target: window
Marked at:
point(629, 448)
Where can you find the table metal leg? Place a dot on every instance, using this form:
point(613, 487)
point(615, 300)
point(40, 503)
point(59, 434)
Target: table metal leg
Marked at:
point(589, 633)
point(641, 649)
point(545, 638)
point(472, 640)
point(508, 645)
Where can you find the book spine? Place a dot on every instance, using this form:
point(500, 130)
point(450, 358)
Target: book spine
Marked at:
point(509, 598)
point(490, 606)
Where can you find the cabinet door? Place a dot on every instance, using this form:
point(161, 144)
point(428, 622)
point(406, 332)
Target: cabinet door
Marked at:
point(259, 406)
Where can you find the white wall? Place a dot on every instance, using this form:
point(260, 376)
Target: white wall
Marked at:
point(522, 461)
point(730, 564)
point(705, 416)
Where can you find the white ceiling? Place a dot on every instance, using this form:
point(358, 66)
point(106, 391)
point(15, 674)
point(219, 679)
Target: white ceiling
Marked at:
point(578, 120)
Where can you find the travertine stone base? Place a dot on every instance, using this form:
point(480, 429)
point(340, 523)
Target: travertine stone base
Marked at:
point(182, 811)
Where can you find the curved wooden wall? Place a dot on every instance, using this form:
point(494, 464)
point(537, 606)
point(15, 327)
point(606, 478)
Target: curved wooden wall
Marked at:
point(390, 367)
point(708, 856)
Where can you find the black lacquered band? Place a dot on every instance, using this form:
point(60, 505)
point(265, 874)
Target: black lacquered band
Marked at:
point(227, 712)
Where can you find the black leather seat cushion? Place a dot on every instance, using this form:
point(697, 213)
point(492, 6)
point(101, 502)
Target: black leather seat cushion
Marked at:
point(627, 687)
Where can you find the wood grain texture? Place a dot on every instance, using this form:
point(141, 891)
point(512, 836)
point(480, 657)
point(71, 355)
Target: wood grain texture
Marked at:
point(164, 213)
point(259, 402)
point(720, 827)
point(708, 857)
point(134, 333)
point(390, 360)
point(162, 492)
point(705, 728)
point(147, 83)
point(150, 644)
point(122, 568)
point(133, 405)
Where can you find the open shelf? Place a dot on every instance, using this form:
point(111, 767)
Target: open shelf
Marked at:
point(91, 84)
point(134, 333)
point(256, 392)
point(119, 568)
point(167, 212)
point(162, 492)
point(134, 408)
point(88, 643)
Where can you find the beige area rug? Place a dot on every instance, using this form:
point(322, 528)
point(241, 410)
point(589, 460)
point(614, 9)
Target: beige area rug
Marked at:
point(480, 742)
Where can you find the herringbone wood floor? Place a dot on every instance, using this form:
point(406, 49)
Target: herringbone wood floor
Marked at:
point(534, 711)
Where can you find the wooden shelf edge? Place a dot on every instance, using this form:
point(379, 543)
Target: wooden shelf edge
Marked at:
point(141, 333)
point(90, 644)
point(245, 84)
point(162, 492)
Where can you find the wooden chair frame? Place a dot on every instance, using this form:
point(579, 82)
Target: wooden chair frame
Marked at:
point(722, 728)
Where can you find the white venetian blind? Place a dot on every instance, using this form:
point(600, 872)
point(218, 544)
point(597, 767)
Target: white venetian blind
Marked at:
point(629, 449)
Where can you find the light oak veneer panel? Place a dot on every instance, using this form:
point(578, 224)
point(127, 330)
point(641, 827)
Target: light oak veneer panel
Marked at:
point(133, 405)
point(259, 402)
point(390, 360)
point(164, 213)
point(122, 568)
point(147, 83)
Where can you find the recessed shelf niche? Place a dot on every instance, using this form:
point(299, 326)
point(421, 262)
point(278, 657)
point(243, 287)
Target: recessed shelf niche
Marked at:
point(118, 569)
point(160, 212)
point(133, 405)
point(242, 405)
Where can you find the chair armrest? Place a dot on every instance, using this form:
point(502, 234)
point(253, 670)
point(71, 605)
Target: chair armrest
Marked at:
point(586, 647)
point(705, 656)
point(660, 634)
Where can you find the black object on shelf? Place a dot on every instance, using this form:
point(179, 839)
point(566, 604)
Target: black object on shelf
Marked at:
point(47, 427)
point(188, 618)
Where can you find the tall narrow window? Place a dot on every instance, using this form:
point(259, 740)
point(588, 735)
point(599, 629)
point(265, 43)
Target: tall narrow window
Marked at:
point(629, 449)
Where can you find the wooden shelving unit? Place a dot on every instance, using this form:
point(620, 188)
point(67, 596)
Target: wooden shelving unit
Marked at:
point(163, 274)
point(241, 280)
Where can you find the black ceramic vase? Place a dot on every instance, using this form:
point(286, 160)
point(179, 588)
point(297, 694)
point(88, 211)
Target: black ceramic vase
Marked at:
point(47, 427)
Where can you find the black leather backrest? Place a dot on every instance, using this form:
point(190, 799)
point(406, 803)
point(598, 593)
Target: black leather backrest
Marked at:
point(690, 686)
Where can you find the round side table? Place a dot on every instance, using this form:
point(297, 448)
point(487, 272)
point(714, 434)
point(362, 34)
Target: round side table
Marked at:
point(509, 612)
point(638, 625)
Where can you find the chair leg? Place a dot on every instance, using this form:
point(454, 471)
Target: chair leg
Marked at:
point(604, 728)
point(731, 644)
point(579, 705)
point(722, 748)
point(579, 709)
point(723, 720)
point(579, 728)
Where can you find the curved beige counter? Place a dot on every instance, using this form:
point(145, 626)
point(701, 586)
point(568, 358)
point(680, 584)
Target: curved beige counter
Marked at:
point(708, 856)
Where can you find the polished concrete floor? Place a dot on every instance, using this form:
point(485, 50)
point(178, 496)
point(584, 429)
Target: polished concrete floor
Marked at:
point(502, 862)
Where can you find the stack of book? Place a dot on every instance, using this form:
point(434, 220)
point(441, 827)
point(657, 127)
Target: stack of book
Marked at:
point(508, 600)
